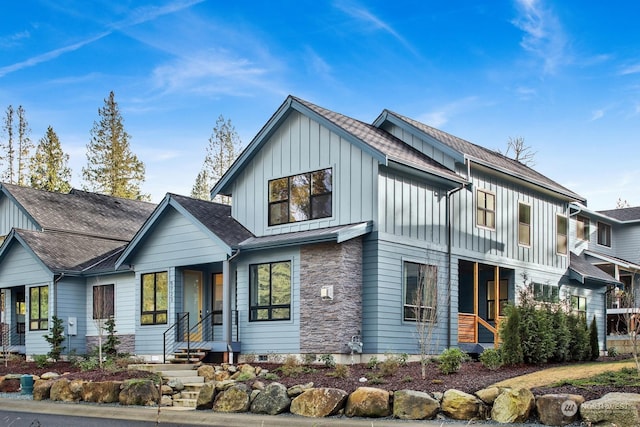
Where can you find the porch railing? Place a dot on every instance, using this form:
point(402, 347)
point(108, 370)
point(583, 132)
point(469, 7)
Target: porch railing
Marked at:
point(468, 327)
point(12, 335)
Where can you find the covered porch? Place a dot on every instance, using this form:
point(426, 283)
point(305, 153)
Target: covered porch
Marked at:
point(12, 320)
point(484, 290)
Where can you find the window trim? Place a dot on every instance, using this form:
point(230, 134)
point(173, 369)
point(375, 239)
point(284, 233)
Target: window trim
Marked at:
point(154, 313)
point(585, 229)
point(609, 234)
point(253, 308)
point(578, 298)
point(39, 320)
point(529, 225)
point(311, 197)
point(485, 210)
point(432, 317)
point(549, 294)
point(566, 235)
point(492, 301)
point(111, 305)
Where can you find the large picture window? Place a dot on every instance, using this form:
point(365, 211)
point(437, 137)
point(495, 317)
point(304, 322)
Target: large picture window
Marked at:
point(561, 234)
point(39, 308)
point(604, 234)
point(486, 209)
point(300, 197)
point(579, 305)
point(420, 292)
point(270, 291)
point(155, 297)
point(524, 224)
point(103, 302)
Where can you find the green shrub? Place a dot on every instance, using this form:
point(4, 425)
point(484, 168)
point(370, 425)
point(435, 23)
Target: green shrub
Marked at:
point(579, 348)
point(593, 340)
point(389, 366)
point(450, 360)
point(110, 346)
point(612, 351)
point(340, 371)
point(491, 359)
point(328, 360)
point(310, 358)
point(271, 376)
point(372, 363)
point(41, 360)
point(55, 338)
point(89, 364)
point(562, 335)
point(291, 367)
point(510, 335)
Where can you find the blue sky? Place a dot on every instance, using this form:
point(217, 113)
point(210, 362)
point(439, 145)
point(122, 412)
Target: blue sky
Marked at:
point(564, 75)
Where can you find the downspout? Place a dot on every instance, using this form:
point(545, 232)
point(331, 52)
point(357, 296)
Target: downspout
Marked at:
point(449, 255)
point(226, 302)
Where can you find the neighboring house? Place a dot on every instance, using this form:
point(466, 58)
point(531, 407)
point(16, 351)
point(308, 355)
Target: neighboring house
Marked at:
point(335, 230)
point(57, 259)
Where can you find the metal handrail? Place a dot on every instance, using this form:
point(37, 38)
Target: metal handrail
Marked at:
point(176, 328)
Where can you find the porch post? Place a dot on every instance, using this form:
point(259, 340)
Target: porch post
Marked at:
point(496, 306)
point(475, 301)
point(226, 303)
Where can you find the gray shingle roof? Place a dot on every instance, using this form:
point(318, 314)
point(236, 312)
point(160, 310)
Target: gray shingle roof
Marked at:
point(623, 214)
point(584, 268)
point(70, 252)
point(487, 156)
point(382, 141)
point(83, 212)
point(216, 217)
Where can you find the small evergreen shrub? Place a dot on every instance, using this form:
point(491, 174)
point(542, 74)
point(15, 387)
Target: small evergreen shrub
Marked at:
point(55, 338)
point(450, 360)
point(373, 362)
point(340, 371)
point(328, 360)
point(41, 360)
point(593, 340)
point(310, 358)
point(110, 346)
point(612, 351)
point(510, 335)
point(291, 367)
point(389, 366)
point(491, 359)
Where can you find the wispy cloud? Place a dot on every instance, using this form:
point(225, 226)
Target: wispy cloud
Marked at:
point(137, 16)
point(630, 69)
point(597, 114)
point(13, 39)
point(525, 93)
point(365, 16)
point(441, 116)
point(543, 34)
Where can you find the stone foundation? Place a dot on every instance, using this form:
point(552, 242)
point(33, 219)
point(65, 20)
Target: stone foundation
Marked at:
point(127, 343)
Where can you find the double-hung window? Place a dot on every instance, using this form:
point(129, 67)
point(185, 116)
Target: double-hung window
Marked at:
point(486, 209)
point(579, 305)
point(524, 224)
point(270, 291)
point(420, 292)
point(103, 302)
point(39, 308)
point(155, 297)
point(300, 197)
point(604, 234)
point(561, 234)
point(582, 227)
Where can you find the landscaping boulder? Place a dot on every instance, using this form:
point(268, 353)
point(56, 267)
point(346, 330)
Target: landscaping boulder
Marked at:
point(208, 372)
point(223, 385)
point(298, 389)
point(176, 384)
point(233, 399)
point(558, 409)
point(621, 409)
point(272, 400)
point(49, 376)
point(42, 389)
point(414, 405)
point(319, 402)
point(139, 392)
point(368, 402)
point(9, 384)
point(61, 391)
point(488, 395)
point(206, 395)
point(513, 406)
point(101, 391)
point(166, 401)
point(459, 405)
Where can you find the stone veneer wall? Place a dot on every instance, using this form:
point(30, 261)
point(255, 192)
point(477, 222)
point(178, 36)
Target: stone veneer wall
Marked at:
point(327, 326)
point(127, 343)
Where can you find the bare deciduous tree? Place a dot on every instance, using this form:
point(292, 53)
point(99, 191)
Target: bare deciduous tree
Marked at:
point(425, 311)
point(519, 151)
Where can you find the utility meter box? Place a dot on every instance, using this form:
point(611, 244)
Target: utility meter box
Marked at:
point(72, 326)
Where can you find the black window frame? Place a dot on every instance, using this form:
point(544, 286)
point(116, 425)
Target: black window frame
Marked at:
point(575, 301)
point(410, 310)
point(604, 234)
point(156, 315)
point(272, 310)
point(317, 201)
point(106, 294)
point(41, 322)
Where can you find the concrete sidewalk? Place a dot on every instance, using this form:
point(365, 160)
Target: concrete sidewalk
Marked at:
point(168, 415)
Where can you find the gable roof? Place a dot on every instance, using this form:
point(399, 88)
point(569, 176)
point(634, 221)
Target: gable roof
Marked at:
point(63, 252)
point(81, 212)
point(582, 270)
point(623, 214)
point(451, 145)
point(214, 219)
point(380, 144)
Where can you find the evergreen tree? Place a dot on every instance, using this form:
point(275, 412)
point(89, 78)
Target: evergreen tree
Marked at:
point(223, 148)
point(201, 187)
point(8, 147)
point(48, 167)
point(24, 146)
point(55, 338)
point(112, 168)
point(510, 334)
point(593, 340)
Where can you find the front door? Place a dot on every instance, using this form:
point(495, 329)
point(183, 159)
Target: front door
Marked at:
point(193, 302)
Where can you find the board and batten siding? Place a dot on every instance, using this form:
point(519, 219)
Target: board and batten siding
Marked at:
point(11, 216)
point(125, 307)
point(384, 328)
point(277, 336)
point(71, 296)
point(301, 145)
point(175, 241)
point(502, 242)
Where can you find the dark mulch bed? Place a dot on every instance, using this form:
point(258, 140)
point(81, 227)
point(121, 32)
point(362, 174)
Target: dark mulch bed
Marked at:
point(70, 371)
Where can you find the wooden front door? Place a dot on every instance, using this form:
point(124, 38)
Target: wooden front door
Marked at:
point(192, 302)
